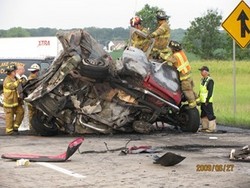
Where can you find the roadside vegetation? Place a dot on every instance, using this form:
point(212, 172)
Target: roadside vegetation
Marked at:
point(116, 54)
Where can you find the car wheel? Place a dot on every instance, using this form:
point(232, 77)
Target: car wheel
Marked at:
point(189, 119)
point(142, 127)
point(96, 69)
point(43, 125)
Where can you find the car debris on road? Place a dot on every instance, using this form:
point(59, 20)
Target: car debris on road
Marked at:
point(72, 147)
point(168, 159)
point(242, 154)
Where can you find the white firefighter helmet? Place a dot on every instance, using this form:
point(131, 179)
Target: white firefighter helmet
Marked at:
point(34, 67)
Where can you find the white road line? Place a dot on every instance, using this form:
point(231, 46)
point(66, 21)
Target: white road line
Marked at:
point(62, 170)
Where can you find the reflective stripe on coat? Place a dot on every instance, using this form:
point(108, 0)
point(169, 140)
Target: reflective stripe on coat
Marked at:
point(10, 92)
point(182, 63)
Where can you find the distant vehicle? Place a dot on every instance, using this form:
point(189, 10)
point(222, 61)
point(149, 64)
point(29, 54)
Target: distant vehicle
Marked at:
point(29, 47)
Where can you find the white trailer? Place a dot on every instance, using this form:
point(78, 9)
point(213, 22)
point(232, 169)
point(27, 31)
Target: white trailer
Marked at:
point(29, 47)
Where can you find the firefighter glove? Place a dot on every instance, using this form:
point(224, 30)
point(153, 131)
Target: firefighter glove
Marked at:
point(150, 36)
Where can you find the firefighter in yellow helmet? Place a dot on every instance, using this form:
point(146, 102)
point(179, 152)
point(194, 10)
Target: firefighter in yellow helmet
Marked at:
point(161, 35)
point(34, 73)
point(12, 103)
point(180, 62)
point(136, 40)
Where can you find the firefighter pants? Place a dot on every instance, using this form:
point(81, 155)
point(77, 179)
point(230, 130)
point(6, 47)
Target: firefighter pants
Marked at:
point(32, 111)
point(13, 118)
point(162, 54)
point(187, 87)
point(207, 111)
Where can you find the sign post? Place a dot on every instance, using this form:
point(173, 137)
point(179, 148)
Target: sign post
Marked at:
point(237, 25)
point(234, 77)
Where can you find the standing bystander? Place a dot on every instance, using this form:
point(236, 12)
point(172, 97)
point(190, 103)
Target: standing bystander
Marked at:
point(208, 123)
point(20, 75)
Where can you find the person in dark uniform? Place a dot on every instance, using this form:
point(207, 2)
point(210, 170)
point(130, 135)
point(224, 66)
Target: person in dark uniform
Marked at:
point(208, 119)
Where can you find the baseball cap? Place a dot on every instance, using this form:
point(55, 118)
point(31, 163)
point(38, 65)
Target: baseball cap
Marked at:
point(204, 68)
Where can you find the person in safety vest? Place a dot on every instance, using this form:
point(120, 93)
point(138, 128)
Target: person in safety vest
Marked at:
point(136, 39)
point(208, 119)
point(34, 73)
point(180, 62)
point(12, 103)
point(161, 35)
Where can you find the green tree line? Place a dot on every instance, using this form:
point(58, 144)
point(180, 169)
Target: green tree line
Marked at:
point(102, 35)
point(204, 38)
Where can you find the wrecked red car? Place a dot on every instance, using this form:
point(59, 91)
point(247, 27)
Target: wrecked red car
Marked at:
point(85, 91)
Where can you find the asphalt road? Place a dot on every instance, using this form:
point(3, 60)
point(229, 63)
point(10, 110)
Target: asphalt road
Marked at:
point(97, 168)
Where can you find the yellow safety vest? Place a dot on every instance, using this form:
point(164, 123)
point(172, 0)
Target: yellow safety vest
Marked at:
point(10, 92)
point(183, 65)
point(204, 91)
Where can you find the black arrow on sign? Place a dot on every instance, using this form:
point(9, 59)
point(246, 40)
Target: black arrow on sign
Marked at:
point(243, 17)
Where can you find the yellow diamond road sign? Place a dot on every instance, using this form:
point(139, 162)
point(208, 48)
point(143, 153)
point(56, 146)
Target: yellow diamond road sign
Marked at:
point(237, 24)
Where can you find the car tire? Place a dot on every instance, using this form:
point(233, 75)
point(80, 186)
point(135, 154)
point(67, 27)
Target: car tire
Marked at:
point(189, 119)
point(97, 69)
point(142, 127)
point(42, 125)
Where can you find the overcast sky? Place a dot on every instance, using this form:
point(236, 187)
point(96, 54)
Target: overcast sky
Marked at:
point(67, 14)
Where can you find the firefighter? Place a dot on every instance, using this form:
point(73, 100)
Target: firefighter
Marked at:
point(161, 35)
point(12, 102)
point(136, 39)
point(34, 73)
point(180, 62)
point(208, 119)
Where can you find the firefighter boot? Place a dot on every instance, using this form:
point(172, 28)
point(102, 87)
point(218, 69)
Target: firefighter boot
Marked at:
point(204, 124)
point(15, 129)
point(192, 104)
point(198, 101)
point(211, 127)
